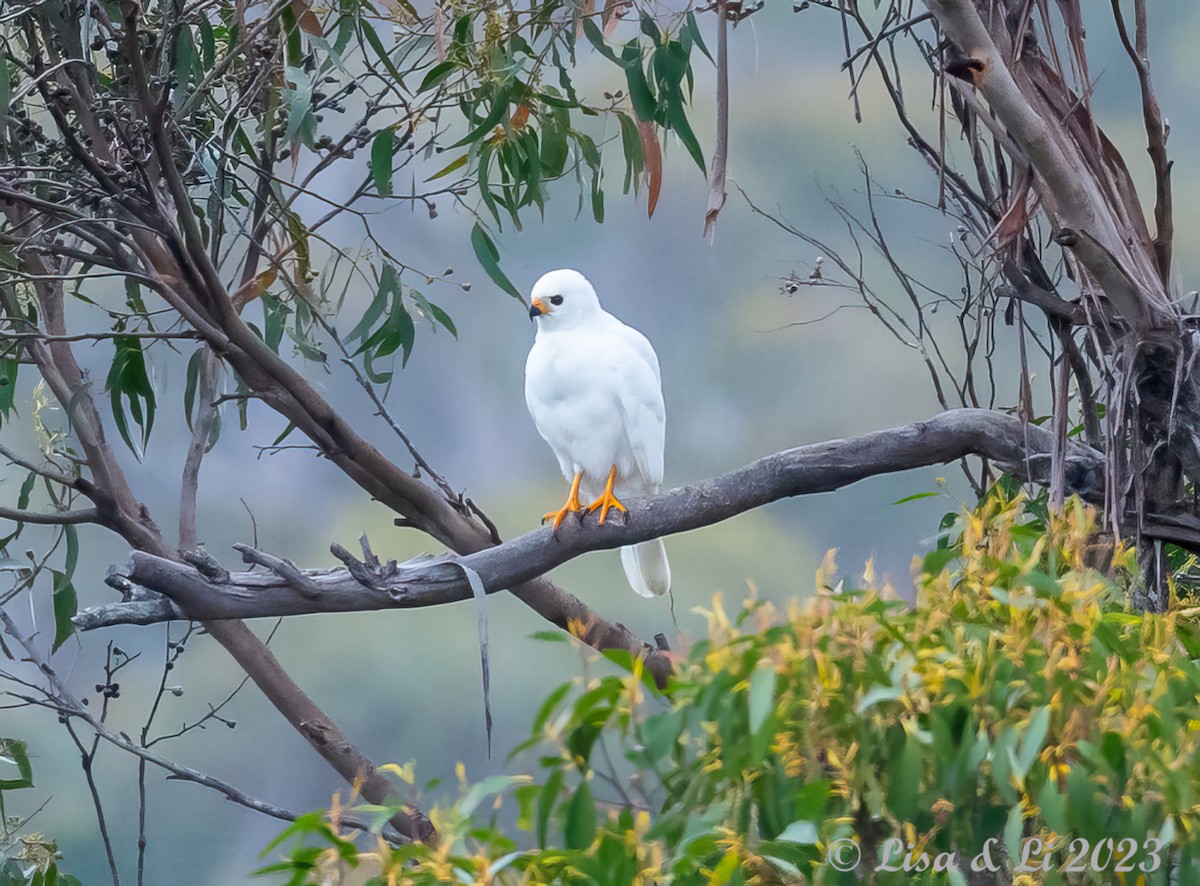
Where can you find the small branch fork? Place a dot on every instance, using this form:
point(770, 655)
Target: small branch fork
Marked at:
point(205, 591)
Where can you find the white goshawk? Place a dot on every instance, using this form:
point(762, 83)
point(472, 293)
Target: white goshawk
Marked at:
point(593, 387)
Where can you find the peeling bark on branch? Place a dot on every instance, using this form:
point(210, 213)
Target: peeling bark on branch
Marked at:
point(1083, 180)
point(431, 581)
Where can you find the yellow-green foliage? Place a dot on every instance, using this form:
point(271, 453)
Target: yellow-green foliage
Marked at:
point(1018, 701)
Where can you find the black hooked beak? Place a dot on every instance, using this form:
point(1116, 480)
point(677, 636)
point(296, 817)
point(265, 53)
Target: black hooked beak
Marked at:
point(537, 309)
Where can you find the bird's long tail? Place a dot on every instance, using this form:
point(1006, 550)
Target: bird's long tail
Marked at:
point(646, 568)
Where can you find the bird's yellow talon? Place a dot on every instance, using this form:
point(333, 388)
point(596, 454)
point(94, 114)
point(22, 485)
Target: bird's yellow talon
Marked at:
point(571, 507)
point(607, 501)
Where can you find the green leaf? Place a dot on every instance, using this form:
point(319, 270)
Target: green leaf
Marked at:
point(694, 30)
point(186, 60)
point(16, 752)
point(915, 497)
point(1013, 828)
point(489, 257)
point(381, 162)
point(660, 734)
point(554, 151)
point(129, 388)
point(71, 536)
point(1030, 743)
point(631, 145)
point(596, 37)
point(946, 531)
point(373, 313)
point(293, 45)
point(677, 117)
point(299, 235)
point(546, 802)
point(580, 825)
point(437, 74)
point(301, 121)
point(26, 491)
point(876, 695)
point(803, 832)
point(284, 434)
point(5, 97)
point(66, 604)
point(434, 312)
point(8, 384)
point(191, 385)
point(549, 636)
point(457, 163)
point(761, 698)
point(489, 787)
point(498, 112)
point(443, 318)
point(906, 770)
point(644, 103)
point(597, 197)
point(377, 45)
point(650, 27)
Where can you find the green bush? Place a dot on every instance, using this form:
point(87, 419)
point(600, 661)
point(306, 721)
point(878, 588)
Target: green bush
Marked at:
point(1016, 707)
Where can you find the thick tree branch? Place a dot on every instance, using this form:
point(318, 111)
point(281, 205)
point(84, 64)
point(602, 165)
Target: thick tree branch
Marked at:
point(429, 581)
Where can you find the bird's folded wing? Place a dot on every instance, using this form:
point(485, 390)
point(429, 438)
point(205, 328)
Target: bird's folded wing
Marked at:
point(645, 420)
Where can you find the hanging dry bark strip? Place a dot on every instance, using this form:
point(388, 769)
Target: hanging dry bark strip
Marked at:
point(716, 187)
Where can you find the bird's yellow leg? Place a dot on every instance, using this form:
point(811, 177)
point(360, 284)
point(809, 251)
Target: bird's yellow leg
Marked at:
point(607, 500)
point(571, 507)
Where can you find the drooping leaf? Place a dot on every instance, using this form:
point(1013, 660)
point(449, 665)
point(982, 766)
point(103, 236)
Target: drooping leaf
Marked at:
point(381, 162)
point(191, 384)
point(644, 103)
point(71, 559)
point(592, 31)
point(677, 117)
point(498, 112)
point(490, 787)
point(8, 386)
point(580, 824)
point(437, 74)
point(130, 392)
point(1030, 743)
point(546, 802)
point(457, 163)
point(66, 604)
point(301, 121)
point(489, 257)
point(761, 697)
point(693, 30)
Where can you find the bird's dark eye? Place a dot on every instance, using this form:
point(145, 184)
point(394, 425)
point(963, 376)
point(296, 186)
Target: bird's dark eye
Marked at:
point(556, 299)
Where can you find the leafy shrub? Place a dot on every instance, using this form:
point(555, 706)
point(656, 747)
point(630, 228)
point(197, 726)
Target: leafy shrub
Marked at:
point(1017, 702)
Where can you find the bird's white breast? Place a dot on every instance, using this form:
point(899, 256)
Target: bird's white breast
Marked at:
point(598, 402)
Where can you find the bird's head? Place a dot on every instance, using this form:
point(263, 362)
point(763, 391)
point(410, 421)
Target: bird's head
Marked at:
point(562, 298)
